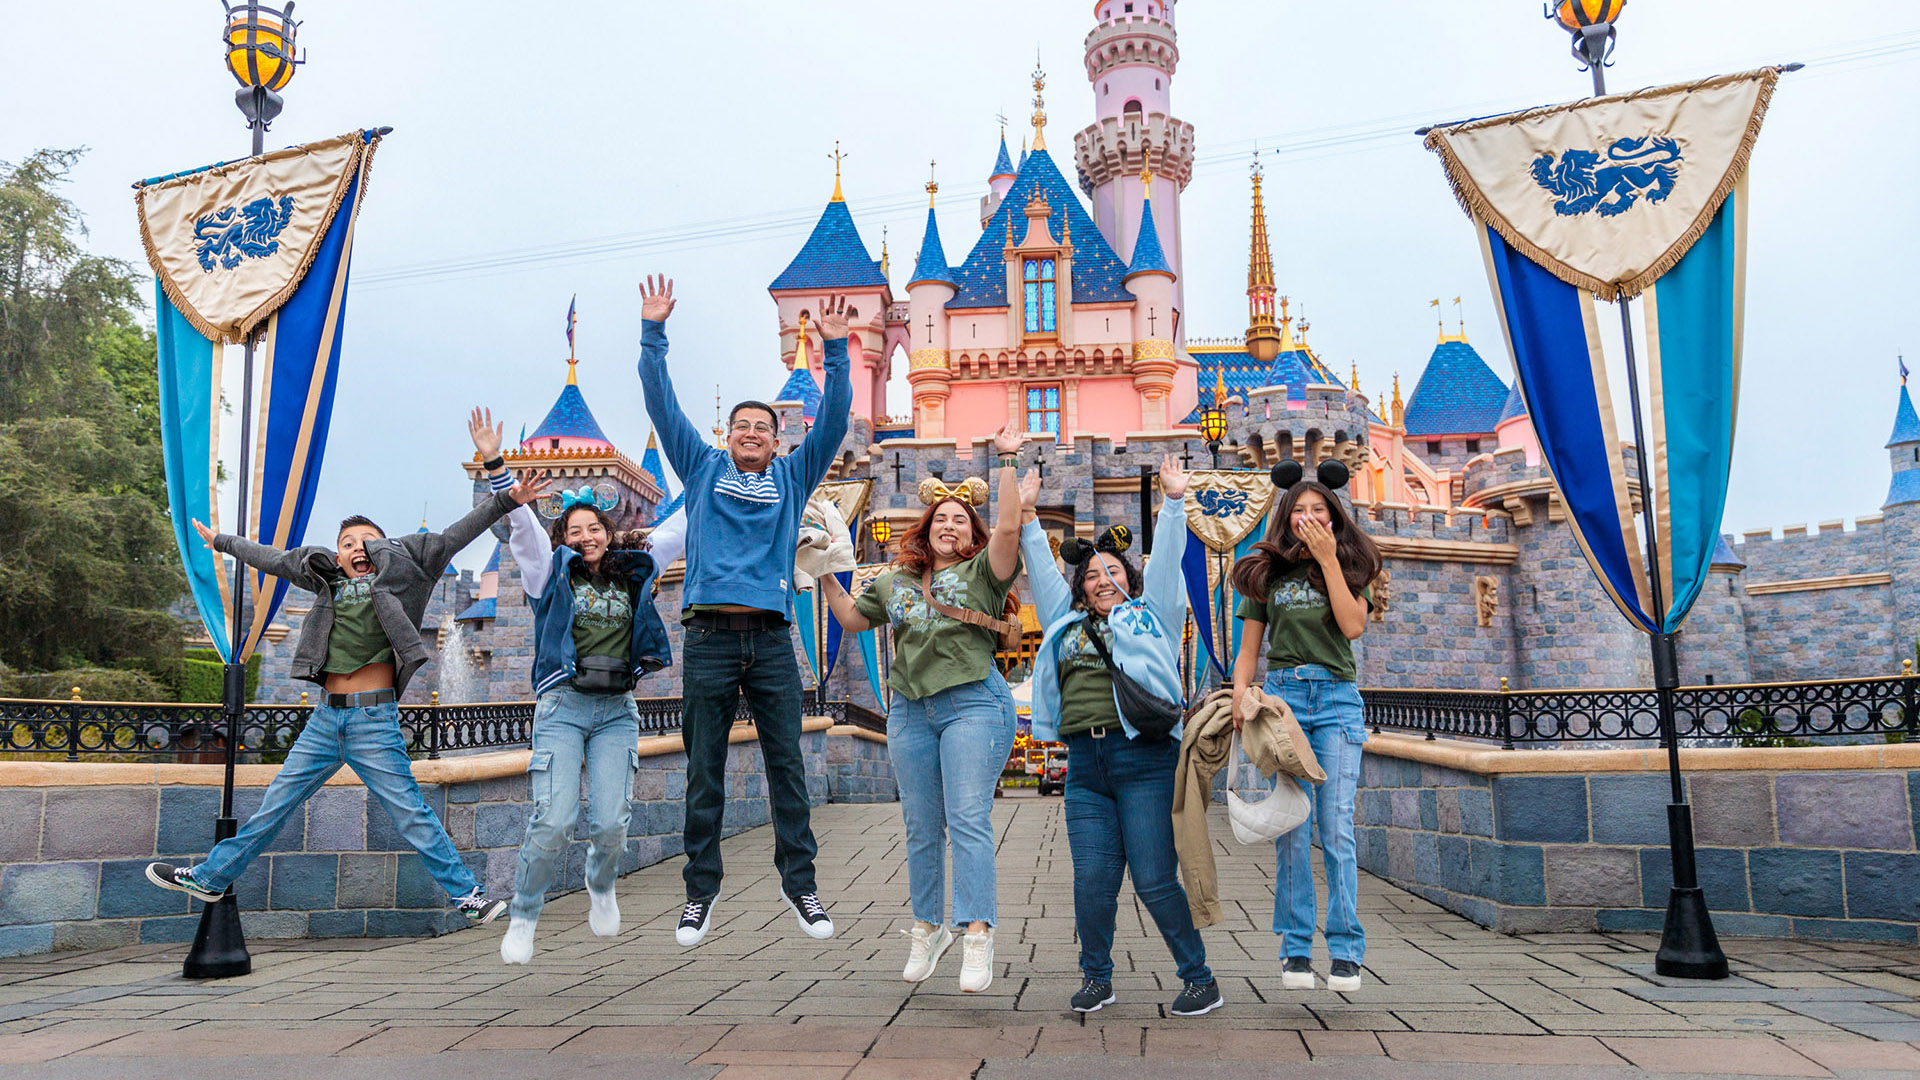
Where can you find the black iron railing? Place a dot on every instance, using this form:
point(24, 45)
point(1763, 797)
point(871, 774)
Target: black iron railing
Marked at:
point(1763, 714)
point(170, 732)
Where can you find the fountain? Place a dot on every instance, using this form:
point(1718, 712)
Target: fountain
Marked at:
point(460, 682)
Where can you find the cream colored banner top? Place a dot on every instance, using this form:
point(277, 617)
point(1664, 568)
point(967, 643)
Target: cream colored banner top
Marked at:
point(1224, 506)
point(231, 244)
point(1609, 193)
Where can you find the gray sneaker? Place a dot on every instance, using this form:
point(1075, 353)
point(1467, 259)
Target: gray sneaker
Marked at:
point(1197, 999)
point(1094, 995)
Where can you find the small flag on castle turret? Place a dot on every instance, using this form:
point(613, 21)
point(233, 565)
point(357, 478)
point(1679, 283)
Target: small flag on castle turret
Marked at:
point(570, 320)
point(1903, 371)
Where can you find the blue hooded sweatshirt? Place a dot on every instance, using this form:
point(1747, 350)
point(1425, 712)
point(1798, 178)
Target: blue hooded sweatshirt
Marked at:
point(742, 527)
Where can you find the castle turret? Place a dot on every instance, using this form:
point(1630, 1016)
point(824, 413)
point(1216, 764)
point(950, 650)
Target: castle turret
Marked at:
point(999, 181)
point(1131, 54)
point(1263, 334)
point(1904, 449)
point(1155, 361)
point(928, 367)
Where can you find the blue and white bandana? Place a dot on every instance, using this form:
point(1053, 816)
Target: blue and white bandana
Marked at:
point(748, 487)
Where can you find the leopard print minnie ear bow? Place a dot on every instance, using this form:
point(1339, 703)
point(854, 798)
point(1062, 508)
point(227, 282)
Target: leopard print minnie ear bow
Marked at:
point(972, 491)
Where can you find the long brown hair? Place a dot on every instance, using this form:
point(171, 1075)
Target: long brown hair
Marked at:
point(1281, 551)
point(616, 538)
point(916, 552)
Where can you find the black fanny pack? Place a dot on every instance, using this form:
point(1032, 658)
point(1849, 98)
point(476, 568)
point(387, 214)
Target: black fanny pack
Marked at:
point(1151, 715)
point(602, 675)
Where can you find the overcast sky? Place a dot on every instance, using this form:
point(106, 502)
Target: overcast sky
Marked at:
point(545, 150)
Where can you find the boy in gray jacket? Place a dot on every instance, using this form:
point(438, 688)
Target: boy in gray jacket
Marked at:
point(361, 643)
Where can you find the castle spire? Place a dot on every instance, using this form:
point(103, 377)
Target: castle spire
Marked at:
point(1039, 106)
point(837, 157)
point(1148, 256)
point(1263, 336)
point(1399, 408)
point(932, 263)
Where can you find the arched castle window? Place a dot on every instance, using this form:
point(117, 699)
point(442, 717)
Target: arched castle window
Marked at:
point(1039, 290)
point(1131, 107)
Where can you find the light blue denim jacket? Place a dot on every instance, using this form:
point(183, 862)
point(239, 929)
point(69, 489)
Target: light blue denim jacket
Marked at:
point(1146, 629)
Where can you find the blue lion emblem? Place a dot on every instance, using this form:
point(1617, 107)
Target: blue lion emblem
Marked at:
point(1633, 166)
point(1221, 504)
point(230, 235)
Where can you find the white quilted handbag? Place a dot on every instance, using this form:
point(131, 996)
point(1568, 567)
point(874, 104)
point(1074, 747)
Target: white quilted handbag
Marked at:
point(1282, 810)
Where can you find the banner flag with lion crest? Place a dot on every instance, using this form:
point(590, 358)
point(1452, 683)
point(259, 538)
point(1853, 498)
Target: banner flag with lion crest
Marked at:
point(1639, 194)
point(1226, 516)
point(258, 247)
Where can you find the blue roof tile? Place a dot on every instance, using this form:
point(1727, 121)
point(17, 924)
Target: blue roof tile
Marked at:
point(1458, 394)
point(1516, 404)
point(932, 264)
point(569, 419)
point(1905, 488)
point(1002, 165)
point(493, 560)
point(650, 463)
point(800, 387)
point(834, 256)
point(1906, 424)
point(479, 609)
point(1723, 554)
point(667, 508)
point(1294, 368)
point(1097, 271)
point(1147, 256)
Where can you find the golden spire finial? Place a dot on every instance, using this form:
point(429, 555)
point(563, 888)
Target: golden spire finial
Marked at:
point(933, 186)
point(883, 251)
point(572, 367)
point(1399, 410)
point(1146, 177)
point(1039, 105)
point(1354, 383)
point(1219, 389)
point(653, 440)
point(1286, 327)
point(799, 345)
point(837, 157)
point(1263, 336)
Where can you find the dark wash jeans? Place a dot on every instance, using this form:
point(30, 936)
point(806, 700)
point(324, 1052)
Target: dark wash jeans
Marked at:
point(1119, 807)
point(717, 666)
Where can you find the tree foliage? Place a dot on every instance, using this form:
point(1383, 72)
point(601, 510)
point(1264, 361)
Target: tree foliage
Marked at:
point(88, 567)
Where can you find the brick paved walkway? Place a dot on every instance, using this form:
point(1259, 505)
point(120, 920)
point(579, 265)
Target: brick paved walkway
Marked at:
point(759, 996)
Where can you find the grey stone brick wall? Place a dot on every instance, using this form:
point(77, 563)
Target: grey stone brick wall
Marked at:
point(1712, 643)
point(1817, 854)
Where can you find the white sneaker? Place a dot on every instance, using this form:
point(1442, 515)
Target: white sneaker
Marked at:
point(925, 949)
point(976, 965)
point(603, 913)
point(517, 946)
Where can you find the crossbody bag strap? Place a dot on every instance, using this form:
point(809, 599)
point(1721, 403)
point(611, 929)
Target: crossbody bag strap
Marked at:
point(1093, 635)
point(965, 615)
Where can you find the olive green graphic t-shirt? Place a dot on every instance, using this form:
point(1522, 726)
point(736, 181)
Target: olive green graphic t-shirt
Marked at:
point(602, 617)
point(934, 652)
point(356, 639)
point(1086, 686)
point(1300, 625)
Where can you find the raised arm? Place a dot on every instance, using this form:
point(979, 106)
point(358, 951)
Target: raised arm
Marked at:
point(289, 566)
point(524, 536)
point(1003, 544)
point(682, 442)
point(817, 450)
point(1164, 586)
point(1051, 596)
point(433, 551)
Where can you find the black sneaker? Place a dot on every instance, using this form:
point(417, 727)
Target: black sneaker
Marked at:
point(478, 909)
point(180, 879)
point(1197, 999)
point(1094, 995)
point(812, 915)
point(694, 920)
point(1297, 974)
point(1344, 976)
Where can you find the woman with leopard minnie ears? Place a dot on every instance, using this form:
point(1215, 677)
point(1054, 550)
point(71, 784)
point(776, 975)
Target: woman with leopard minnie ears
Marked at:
point(952, 722)
point(1305, 590)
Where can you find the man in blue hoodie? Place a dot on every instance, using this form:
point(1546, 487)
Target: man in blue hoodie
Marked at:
point(743, 521)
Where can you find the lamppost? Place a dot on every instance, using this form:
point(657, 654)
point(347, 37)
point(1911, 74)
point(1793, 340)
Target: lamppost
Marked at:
point(882, 531)
point(259, 44)
point(1213, 428)
point(1689, 948)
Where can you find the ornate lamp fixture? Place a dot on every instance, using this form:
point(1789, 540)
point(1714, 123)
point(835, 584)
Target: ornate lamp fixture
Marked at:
point(881, 531)
point(1591, 24)
point(1213, 428)
point(261, 54)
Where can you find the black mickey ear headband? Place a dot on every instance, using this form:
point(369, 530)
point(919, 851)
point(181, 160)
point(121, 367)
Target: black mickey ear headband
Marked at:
point(1116, 539)
point(1332, 475)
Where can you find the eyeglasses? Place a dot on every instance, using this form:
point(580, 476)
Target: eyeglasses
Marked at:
point(744, 426)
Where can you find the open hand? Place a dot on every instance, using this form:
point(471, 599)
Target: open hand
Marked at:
point(1173, 478)
point(1319, 540)
point(206, 534)
point(656, 298)
point(1008, 439)
point(486, 436)
point(531, 487)
point(834, 314)
point(1030, 491)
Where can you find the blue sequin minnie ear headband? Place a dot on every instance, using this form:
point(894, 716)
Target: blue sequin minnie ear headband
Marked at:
point(586, 496)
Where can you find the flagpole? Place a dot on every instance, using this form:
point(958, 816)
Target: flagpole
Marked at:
point(1689, 948)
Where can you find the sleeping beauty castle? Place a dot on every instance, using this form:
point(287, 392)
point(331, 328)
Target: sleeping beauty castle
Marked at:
point(1065, 314)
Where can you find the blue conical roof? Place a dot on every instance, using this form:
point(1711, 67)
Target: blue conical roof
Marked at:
point(667, 508)
point(1516, 404)
point(1148, 258)
point(1002, 165)
point(1097, 271)
point(569, 419)
point(1723, 554)
point(493, 560)
point(800, 387)
point(1906, 423)
point(932, 264)
point(833, 257)
point(650, 463)
point(1458, 394)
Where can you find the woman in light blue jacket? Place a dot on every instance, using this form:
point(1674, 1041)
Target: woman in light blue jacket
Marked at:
point(1119, 798)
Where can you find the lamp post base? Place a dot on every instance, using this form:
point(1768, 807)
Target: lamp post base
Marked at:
point(1689, 949)
point(219, 946)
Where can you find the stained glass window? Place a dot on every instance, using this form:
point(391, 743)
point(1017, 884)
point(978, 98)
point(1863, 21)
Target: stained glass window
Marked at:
point(1039, 294)
point(1043, 408)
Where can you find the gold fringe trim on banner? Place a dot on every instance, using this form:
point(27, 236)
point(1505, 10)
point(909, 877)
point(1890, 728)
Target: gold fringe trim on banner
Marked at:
point(1468, 193)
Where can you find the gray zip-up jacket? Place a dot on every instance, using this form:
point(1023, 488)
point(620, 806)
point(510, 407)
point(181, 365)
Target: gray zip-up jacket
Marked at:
point(405, 570)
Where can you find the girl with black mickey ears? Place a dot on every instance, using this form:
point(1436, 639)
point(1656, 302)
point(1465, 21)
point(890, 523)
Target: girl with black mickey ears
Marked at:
point(1305, 588)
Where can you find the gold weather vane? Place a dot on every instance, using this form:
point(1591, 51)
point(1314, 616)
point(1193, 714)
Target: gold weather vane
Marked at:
point(1146, 176)
point(1039, 105)
point(933, 186)
point(883, 251)
point(837, 157)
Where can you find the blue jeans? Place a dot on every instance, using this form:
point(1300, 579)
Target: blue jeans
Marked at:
point(369, 740)
point(1329, 711)
point(948, 750)
point(572, 731)
point(717, 667)
point(1120, 819)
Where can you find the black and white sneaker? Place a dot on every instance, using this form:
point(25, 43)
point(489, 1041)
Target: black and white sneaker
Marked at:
point(1197, 1000)
point(180, 879)
point(1094, 995)
point(694, 920)
point(1344, 976)
point(478, 909)
point(812, 915)
point(1297, 974)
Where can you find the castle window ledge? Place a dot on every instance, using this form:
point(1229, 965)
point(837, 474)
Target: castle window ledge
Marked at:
point(932, 444)
point(1756, 534)
point(1840, 581)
